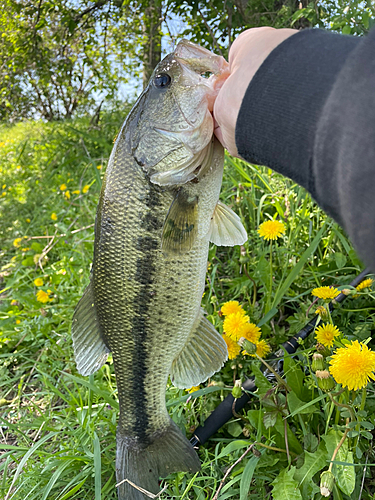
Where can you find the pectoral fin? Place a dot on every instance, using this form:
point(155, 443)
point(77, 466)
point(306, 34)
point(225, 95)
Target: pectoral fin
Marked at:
point(89, 349)
point(204, 354)
point(226, 227)
point(180, 226)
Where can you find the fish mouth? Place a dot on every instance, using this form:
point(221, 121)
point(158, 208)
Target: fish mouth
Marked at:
point(212, 69)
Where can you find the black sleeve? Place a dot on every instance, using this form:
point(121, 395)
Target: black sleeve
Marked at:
point(309, 113)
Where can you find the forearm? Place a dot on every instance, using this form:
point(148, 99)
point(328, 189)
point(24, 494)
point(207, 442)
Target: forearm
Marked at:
point(309, 113)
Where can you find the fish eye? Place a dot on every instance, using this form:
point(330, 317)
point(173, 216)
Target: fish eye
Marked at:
point(162, 80)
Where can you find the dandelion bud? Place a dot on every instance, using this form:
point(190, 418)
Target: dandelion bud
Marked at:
point(317, 362)
point(36, 258)
point(322, 311)
point(324, 351)
point(325, 381)
point(327, 480)
point(248, 346)
point(237, 389)
point(246, 432)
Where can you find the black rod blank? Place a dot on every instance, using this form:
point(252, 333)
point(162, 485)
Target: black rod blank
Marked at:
point(224, 411)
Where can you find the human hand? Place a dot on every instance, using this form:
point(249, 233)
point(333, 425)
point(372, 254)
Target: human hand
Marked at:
point(246, 55)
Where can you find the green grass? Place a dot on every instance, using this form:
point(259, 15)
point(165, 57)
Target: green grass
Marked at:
point(58, 429)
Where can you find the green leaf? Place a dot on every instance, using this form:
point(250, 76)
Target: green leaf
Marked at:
point(346, 30)
point(234, 429)
point(294, 444)
point(269, 419)
point(267, 317)
point(298, 407)
point(310, 442)
point(55, 477)
point(97, 391)
point(97, 468)
point(313, 462)
point(285, 487)
point(345, 474)
point(29, 453)
point(233, 446)
point(284, 285)
point(260, 380)
point(302, 408)
point(340, 260)
point(196, 394)
point(76, 488)
point(247, 476)
point(294, 375)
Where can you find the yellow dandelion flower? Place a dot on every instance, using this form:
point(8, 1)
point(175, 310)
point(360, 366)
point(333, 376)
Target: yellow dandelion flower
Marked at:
point(365, 284)
point(4, 186)
point(232, 346)
point(262, 349)
point(231, 307)
point(67, 195)
point(53, 216)
point(4, 193)
point(325, 292)
point(62, 187)
point(233, 324)
point(14, 303)
point(326, 333)
point(42, 296)
point(76, 191)
point(251, 332)
point(85, 188)
point(38, 282)
point(99, 167)
point(26, 249)
point(18, 321)
point(28, 220)
point(353, 366)
point(17, 242)
point(193, 389)
point(271, 229)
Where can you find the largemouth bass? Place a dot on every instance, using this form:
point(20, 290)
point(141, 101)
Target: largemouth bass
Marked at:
point(157, 213)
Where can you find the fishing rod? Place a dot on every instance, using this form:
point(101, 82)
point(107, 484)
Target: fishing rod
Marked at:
point(226, 408)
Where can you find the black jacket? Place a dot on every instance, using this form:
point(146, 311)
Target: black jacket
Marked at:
point(309, 113)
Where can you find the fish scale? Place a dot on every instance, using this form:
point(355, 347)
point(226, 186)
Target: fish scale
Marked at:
point(158, 211)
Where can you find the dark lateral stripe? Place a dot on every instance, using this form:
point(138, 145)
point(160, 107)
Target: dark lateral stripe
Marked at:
point(145, 275)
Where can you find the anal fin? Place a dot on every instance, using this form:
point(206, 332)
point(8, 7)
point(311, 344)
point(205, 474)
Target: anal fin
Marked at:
point(90, 350)
point(226, 227)
point(204, 354)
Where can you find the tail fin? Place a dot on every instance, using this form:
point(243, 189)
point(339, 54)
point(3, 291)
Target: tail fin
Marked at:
point(168, 452)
